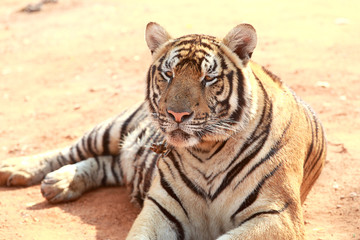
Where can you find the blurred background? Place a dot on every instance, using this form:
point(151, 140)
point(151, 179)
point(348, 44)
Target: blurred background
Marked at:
point(74, 63)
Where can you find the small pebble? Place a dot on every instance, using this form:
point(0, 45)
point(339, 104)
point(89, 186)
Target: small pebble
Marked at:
point(353, 194)
point(30, 204)
point(322, 84)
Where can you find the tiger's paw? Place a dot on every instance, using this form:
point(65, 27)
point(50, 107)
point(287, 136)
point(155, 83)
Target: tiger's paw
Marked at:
point(62, 185)
point(19, 172)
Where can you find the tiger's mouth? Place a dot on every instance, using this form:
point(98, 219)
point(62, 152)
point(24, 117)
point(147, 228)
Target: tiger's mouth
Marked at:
point(188, 134)
point(178, 137)
point(179, 134)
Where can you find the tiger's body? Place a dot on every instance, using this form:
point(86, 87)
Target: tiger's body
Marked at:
point(242, 150)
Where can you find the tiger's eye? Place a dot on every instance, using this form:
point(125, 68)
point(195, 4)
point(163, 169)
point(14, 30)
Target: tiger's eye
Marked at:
point(169, 74)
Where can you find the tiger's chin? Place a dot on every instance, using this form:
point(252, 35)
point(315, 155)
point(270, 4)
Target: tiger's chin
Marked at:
point(179, 138)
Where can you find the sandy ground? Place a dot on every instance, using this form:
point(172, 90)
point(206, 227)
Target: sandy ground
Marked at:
point(77, 62)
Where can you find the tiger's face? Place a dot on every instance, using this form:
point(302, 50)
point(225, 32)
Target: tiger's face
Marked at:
point(196, 86)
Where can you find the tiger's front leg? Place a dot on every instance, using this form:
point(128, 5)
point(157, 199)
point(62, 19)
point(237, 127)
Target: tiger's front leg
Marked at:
point(157, 219)
point(153, 224)
point(71, 181)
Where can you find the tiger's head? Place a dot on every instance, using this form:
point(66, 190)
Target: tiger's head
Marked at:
point(197, 85)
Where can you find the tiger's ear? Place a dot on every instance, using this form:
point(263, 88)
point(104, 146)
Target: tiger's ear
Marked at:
point(155, 36)
point(242, 40)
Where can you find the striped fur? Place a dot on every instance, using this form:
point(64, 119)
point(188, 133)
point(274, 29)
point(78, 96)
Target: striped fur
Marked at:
point(243, 149)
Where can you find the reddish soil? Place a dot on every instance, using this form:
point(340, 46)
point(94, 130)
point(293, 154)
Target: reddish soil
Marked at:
point(77, 62)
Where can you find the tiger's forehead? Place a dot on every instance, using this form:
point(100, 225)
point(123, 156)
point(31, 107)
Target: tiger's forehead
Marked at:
point(197, 39)
point(195, 44)
point(193, 48)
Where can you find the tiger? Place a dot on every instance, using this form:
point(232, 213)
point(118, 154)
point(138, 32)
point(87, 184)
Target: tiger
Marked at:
point(221, 148)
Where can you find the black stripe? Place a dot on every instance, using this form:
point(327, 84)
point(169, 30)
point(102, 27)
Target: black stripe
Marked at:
point(316, 123)
point(316, 174)
point(104, 179)
point(311, 146)
point(79, 153)
point(208, 46)
point(179, 228)
point(240, 94)
point(153, 70)
point(192, 186)
point(204, 150)
point(185, 42)
point(139, 172)
point(149, 173)
point(171, 172)
point(196, 157)
point(271, 75)
point(214, 66)
point(97, 162)
point(51, 164)
point(83, 144)
point(160, 62)
point(217, 150)
point(118, 161)
point(88, 143)
point(138, 199)
point(251, 198)
point(96, 139)
point(222, 61)
point(170, 191)
point(265, 212)
point(317, 158)
point(64, 161)
point(106, 140)
point(113, 162)
point(203, 174)
point(320, 149)
point(71, 157)
point(226, 102)
point(141, 149)
point(58, 161)
point(125, 124)
point(148, 86)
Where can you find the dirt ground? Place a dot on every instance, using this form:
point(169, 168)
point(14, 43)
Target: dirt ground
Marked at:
point(78, 62)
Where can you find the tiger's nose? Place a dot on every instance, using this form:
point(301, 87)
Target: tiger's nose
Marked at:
point(179, 116)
